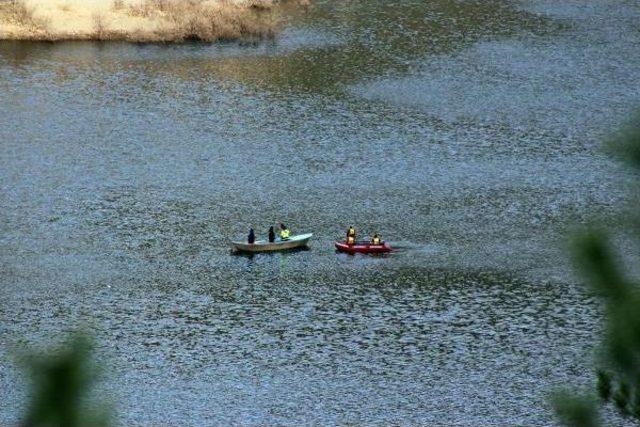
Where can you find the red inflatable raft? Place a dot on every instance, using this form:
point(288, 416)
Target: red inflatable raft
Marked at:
point(363, 248)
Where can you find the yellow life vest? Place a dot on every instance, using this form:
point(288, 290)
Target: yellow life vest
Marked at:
point(375, 241)
point(284, 234)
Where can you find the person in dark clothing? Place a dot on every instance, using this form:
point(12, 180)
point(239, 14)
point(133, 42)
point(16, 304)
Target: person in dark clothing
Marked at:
point(252, 236)
point(272, 235)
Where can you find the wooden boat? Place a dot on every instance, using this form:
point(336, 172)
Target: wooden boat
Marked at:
point(293, 242)
point(363, 248)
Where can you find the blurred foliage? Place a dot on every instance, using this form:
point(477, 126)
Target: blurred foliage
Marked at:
point(626, 145)
point(618, 378)
point(576, 411)
point(61, 387)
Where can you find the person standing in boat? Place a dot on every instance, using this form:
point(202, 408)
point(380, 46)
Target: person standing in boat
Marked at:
point(272, 235)
point(376, 239)
point(351, 236)
point(285, 233)
point(252, 237)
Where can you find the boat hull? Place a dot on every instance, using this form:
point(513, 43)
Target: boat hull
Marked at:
point(363, 248)
point(298, 241)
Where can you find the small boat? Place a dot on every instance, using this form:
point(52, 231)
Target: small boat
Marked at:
point(363, 248)
point(293, 242)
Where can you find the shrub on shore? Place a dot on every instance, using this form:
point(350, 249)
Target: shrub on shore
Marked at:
point(17, 13)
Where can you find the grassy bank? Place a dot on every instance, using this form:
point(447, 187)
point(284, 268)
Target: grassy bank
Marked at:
point(141, 20)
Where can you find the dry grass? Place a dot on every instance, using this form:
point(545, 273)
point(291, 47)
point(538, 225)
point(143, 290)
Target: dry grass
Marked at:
point(99, 29)
point(199, 20)
point(18, 13)
point(141, 20)
point(118, 5)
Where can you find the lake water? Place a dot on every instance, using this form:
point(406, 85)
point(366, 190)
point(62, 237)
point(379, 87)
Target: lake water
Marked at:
point(468, 133)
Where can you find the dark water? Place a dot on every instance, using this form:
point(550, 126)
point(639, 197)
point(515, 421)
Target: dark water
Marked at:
point(467, 133)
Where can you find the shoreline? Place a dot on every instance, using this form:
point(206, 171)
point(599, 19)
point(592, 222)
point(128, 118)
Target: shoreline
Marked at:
point(143, 21)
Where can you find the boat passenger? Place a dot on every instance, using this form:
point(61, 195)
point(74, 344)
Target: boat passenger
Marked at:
point(351, 236)
point(285, 233)
point(376, 239)
point(252, 236)
point(272, 235)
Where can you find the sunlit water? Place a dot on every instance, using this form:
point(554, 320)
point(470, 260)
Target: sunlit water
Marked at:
point(467, 133)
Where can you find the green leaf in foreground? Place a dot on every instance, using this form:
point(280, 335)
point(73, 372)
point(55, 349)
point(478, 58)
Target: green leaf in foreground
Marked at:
point(61, 384)
point(575, 411)
point(599, 263)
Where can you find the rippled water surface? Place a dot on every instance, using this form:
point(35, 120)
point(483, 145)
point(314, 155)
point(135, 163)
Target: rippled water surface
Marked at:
point(467, 133)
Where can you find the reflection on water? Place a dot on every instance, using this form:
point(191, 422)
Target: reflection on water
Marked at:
point(352, 40)
point(281, 254)
point(379, 37)
point(126, 170)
